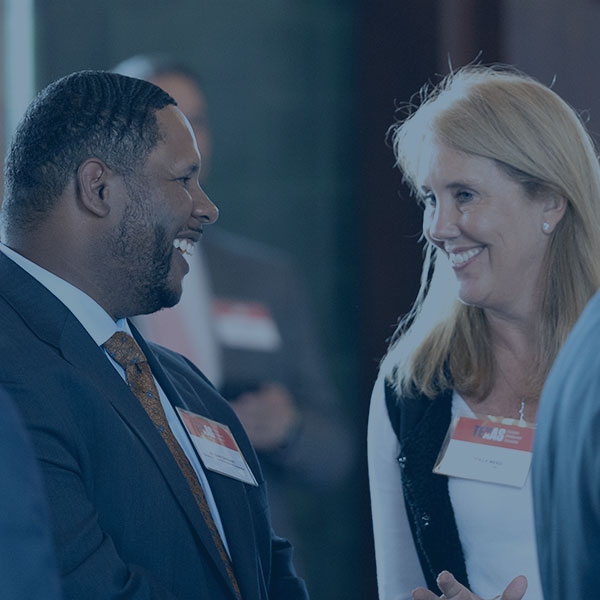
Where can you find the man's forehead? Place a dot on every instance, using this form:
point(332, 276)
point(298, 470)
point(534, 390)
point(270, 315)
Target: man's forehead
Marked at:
point(177, 143)
point(171, 121)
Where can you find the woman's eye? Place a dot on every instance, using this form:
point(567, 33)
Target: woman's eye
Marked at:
point(464, 196)
point(427, 200)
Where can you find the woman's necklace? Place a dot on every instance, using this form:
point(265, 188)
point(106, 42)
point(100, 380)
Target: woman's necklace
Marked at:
point(522, 412)
point(516, 395)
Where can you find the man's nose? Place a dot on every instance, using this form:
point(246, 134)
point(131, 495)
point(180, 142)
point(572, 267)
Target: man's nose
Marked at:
point(204, 209)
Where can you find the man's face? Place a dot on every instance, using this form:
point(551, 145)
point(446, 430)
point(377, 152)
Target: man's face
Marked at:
point(192, 103)
point(162, 219)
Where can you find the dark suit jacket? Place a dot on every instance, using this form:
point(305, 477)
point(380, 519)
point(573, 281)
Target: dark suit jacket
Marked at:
point(27, 563)
point(125, 522)
point(566, 465)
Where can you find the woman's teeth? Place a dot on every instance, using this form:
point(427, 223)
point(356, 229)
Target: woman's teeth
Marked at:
point(459, 258)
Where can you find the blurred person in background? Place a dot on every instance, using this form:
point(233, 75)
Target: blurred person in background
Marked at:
point(510, 187)
point(244, 318)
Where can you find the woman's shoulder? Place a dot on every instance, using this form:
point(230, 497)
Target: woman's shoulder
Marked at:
point(407, 406)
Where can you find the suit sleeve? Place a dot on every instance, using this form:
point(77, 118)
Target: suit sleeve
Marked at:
point(89, 564)
point(28, 566)
point(285, 584)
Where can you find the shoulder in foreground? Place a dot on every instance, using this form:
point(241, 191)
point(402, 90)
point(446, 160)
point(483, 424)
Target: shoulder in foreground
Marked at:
point(579, 358)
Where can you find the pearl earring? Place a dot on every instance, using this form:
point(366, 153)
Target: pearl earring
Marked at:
point(546, 227)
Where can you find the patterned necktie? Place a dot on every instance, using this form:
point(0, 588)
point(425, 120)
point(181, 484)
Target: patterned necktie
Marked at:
point(125, 351)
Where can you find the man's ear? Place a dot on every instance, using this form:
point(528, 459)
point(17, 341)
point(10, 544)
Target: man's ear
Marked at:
point(93, 186)
point(555, 206)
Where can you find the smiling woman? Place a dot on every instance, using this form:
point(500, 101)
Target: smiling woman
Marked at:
point(510, 187)
point(489, 228)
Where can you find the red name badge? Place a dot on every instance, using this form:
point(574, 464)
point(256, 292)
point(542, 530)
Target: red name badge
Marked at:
point(245, 325)
point(490, 449)
point(216, 446)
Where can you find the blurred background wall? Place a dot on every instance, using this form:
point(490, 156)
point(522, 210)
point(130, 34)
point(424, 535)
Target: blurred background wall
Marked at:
point(301, 94)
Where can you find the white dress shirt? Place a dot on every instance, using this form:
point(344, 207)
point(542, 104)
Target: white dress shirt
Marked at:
point(495, 522)
point(100, 326)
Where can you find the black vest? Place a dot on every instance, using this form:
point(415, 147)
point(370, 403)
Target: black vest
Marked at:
point(421, 425)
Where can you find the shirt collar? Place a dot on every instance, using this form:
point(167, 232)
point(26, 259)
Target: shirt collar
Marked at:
point(95, 320)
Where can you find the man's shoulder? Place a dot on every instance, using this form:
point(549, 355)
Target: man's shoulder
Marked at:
point(580, 355)
point(572, 385)
point(590, 317)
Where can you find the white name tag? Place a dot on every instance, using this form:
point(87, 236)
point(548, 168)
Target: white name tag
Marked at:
point(491, 449)
point(246, 325)
point(217, 447)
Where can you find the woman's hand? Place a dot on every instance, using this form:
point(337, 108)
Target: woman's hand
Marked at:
point(452, 590)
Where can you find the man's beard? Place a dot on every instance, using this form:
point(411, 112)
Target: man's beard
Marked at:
point(143, 253)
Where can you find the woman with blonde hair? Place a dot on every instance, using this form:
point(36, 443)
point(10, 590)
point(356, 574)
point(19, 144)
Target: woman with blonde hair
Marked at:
point(510, 186)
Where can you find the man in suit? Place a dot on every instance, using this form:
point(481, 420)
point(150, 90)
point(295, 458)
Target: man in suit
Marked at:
point(566, 465)
point(27, 562)
point(102, 205)
point(245, 319)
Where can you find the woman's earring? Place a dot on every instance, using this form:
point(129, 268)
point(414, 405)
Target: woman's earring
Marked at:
point(546, 227)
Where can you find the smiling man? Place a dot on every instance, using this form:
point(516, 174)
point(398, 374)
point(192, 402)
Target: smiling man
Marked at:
point(102, 204)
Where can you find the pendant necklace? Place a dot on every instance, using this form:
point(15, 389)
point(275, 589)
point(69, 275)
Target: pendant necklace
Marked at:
point(522, 398)
point(522, 412)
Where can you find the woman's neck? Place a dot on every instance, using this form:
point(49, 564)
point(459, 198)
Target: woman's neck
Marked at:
point(514, 349)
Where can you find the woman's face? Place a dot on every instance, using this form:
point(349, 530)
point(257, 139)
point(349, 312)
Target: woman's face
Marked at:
point(487, 226)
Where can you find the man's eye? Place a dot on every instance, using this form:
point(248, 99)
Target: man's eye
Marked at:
point(184, 180)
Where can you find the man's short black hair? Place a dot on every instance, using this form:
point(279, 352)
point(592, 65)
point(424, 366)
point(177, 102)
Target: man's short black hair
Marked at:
point(83, 115)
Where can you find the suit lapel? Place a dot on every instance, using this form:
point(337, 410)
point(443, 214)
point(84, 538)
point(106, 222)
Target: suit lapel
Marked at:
point(178, 395)
point(230, 494)
point(92, 359)
point(238, 521)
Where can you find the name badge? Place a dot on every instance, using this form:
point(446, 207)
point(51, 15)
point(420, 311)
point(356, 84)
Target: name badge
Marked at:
point(217, 447)
point(491, 449)
point(245, 325)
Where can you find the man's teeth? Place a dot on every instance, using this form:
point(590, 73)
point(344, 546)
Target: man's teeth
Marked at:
point(184, 246)
point(459, 258)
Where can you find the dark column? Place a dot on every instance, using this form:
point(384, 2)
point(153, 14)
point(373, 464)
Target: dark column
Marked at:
point(399, 54)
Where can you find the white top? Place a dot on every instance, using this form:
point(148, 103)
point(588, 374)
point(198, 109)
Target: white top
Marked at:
point(495, 522)
point(100, 325)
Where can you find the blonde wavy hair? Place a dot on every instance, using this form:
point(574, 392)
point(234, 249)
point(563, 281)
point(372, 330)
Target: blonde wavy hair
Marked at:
point(541, 142)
